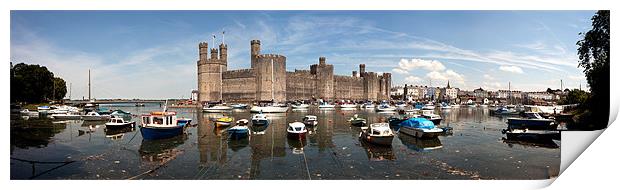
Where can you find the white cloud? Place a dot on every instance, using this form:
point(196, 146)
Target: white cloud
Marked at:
point(430, 65)
point(448, 75)
point(400, 71)
point(512, 69)
point(413, 79)
point(488, 77)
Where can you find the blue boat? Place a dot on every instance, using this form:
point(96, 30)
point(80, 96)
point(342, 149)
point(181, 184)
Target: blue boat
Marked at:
point(532, 121)
point(420, 127)
point(160, 125)
point(184, 121)
point(240, 130)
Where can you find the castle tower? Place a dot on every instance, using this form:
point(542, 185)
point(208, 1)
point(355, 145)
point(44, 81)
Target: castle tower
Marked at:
point(209, 74)
point(224, 56)
point(362, 69)
point(270, 77)
point(254, 52)
point(325, 75)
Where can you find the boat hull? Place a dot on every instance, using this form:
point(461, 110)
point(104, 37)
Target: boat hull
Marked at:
point(151, 133)
point(533, 124)
point(260, 122)
point(67, 117)
point(420, 133)
point(358, 123)
point(117, 126)
point(293, 135)
point(238, 133)
point(377, 140)
point(270, 109)
point(95, 118)
point(311, 123)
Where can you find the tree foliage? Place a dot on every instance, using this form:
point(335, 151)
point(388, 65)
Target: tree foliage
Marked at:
point(35, 84)
point(594, 59)
point(575, 96)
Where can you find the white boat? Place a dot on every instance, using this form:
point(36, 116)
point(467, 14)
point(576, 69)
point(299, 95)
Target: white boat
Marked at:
point(217, 108)
point(118, 123)
point(260, 119)
point(436, 119)
point(326, 106)
point(310, 120)
point(484, 105)
point(385, 108)
point(455, 106)
point(94, 116)
point(348, 105)
point(300, 106)
point(296, 130)
point(369, 105)
point(401, 105)
point(428, 106)
point(269, 109)
point(68, 115)
point(378, 133)
point(28, 112)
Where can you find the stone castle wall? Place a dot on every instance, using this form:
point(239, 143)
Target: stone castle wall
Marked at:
point(239, 85)
point(267, 79)
point(300, 85)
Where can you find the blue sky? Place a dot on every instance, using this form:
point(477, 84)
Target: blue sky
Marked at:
point(152, 54)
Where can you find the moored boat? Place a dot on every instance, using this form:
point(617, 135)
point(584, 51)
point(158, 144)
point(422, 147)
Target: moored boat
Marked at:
point(216, 108)
point(436, 119)
point(310, 120)
point(269, 107)
point(239, 106)
point(67, 116)
point(385, 108)
point(532, 121)
point(223, 121)
point(95, 116)
point(296, 130)
point(119, 123)
point(326, 105)
point(240, 130)
point(160, 125)
point(357, 121)
point(260, 119)
point(184, 121)
point(300, 106)
point(378, 133)
point(419, 127)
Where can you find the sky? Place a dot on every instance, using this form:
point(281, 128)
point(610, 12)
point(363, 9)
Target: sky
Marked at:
point(153, 54)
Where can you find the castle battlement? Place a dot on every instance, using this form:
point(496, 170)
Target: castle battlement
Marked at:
point(271, 56)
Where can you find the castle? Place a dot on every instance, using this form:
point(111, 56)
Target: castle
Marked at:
point(268, 80)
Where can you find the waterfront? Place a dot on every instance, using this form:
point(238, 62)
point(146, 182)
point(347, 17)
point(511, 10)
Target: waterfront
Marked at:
point(332, 150)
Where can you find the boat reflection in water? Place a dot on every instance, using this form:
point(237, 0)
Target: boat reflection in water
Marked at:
point(238, 143)
point(420, 145)
point(297, 145)
point(161, 150)
point(116, 134)
point(377, 152)
point(531, 142)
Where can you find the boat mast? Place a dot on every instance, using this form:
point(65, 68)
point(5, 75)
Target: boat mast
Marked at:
point(89, 84)
point(272, 89)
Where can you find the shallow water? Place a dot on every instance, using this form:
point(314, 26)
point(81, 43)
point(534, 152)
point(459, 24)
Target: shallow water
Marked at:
point(332, 150)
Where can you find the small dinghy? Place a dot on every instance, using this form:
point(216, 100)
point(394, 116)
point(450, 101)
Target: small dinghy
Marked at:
point(357, 121)
point(240, 130)
point(260, 120)
point(116, 123)
point(420, 127)
point(184, 121)
point(94, 116)
point(223, 121)
point(296, 130)
point(310, 120)
point(378, 133)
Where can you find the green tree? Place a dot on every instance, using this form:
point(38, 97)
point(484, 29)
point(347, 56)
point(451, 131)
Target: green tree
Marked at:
point(594, 59)
point(31, 83)
point(576, 96)
point(60, 88)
